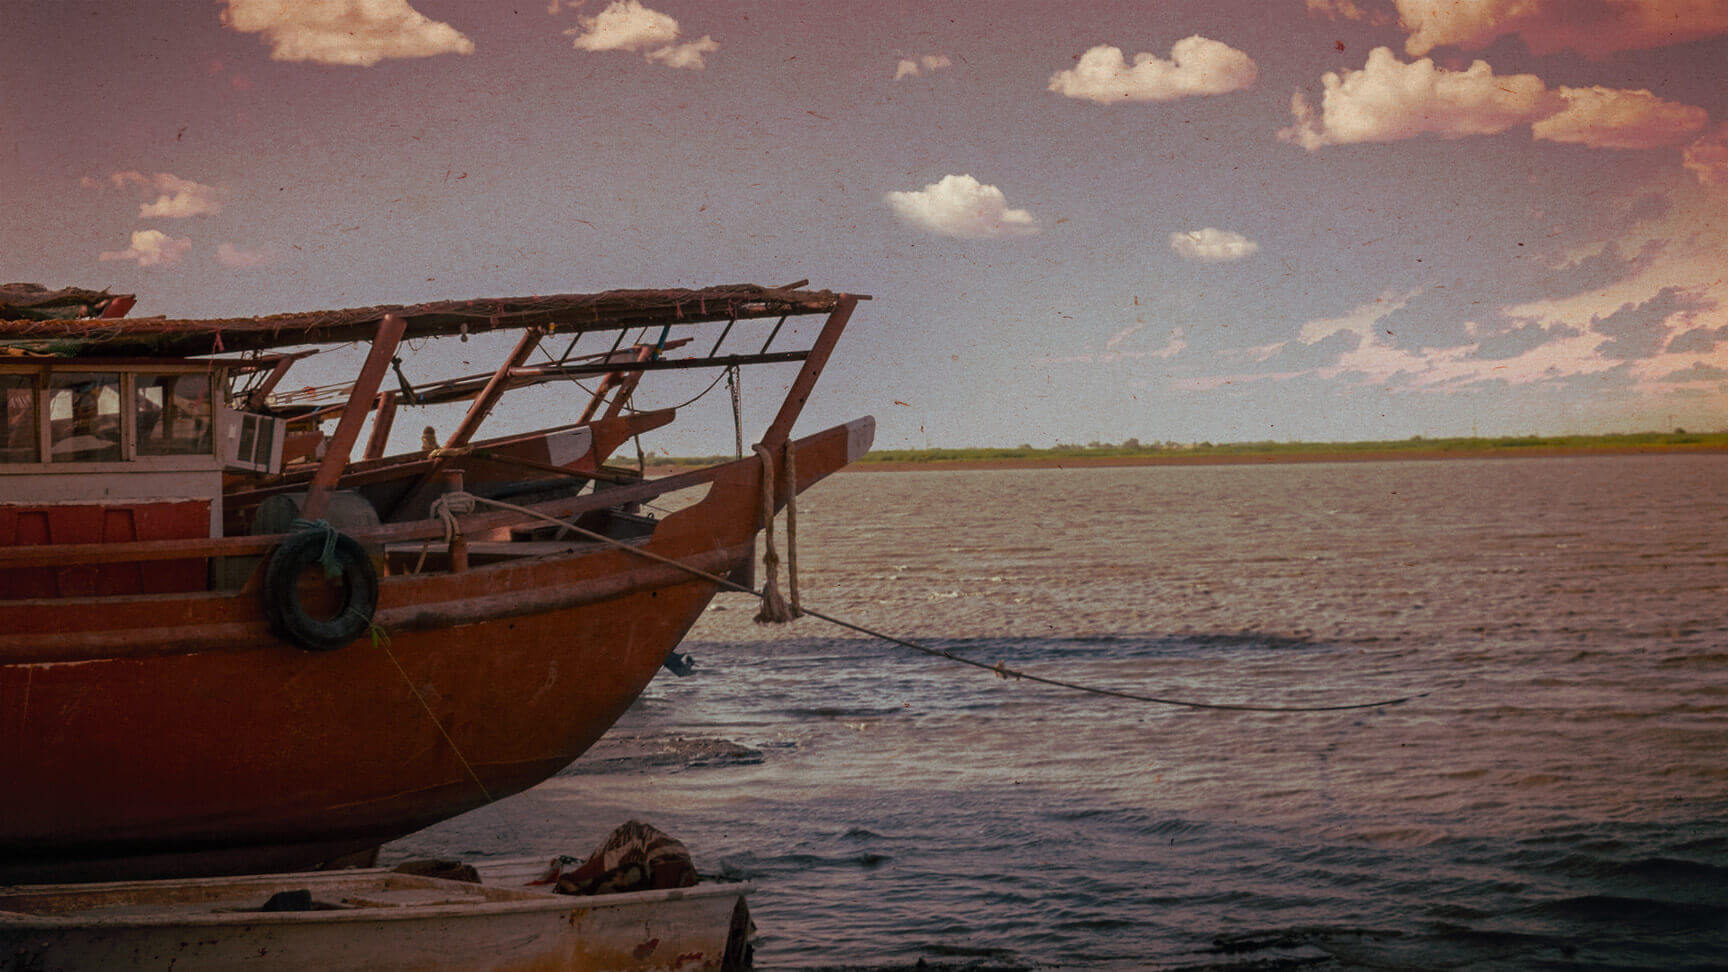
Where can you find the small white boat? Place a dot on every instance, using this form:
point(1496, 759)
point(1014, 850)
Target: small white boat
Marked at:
point(371, 919)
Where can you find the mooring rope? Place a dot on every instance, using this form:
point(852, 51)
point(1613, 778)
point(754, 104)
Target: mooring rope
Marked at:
point(381, 638)
point(775, 610)
point(791, 479)
point(999, 669)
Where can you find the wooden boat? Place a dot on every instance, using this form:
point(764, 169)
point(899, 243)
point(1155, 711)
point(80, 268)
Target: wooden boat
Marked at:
point(370, 919)
point(190, 686)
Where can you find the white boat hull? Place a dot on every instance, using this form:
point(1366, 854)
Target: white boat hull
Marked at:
point(375, 920)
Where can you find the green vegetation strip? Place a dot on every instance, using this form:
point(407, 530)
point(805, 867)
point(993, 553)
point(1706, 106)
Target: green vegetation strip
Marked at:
point(1416, 446)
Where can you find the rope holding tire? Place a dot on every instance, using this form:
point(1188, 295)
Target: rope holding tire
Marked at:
point(342, 558)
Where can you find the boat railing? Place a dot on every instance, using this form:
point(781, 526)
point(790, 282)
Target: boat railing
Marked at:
point(431, 529)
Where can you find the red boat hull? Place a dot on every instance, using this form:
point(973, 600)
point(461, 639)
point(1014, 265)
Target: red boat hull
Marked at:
point(173, 735)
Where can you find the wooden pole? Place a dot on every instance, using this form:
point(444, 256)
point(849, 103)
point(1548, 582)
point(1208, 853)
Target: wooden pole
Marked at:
point(381, 423)
point(494, 390)
point(628, 382)
point(261, 394)
point(806, 380)
point(389, 335)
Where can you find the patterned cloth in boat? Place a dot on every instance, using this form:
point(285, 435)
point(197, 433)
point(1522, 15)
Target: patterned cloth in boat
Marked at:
point(636, 857)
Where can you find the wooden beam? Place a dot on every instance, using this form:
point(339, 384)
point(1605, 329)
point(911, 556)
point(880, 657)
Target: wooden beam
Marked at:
point(260, 396)
point(381, 423)
point(494, 389)
point(627, 384)
point(641, 354)
point(781, 427)
point(389, 335)
point(668, 364)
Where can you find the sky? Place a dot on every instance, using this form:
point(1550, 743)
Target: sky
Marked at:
point(1220, 220)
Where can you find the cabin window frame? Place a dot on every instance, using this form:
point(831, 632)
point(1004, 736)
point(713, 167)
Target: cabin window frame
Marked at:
point(212, 409)
point(42, 373)
point(34, 387)
point(71, 383)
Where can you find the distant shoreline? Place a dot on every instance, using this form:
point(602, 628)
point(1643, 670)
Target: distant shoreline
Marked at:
point(1132, 453)
point(1270, 458)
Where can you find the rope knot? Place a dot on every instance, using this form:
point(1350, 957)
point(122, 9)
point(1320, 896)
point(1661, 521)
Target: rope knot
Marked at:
point(450, 506)
point(327, 557)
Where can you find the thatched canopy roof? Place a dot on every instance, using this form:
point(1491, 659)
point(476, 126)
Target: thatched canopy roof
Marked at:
point(611, 310)
point(30, 301)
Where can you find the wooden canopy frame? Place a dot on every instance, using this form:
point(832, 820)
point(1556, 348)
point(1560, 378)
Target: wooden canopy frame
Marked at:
point(608, 311)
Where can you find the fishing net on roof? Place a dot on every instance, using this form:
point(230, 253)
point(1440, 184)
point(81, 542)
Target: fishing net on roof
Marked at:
point(29, 301)
point(610, 310)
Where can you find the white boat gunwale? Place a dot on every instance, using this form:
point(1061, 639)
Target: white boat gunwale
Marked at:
point(519, 900)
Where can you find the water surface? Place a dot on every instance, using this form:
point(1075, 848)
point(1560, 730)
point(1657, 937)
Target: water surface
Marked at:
point(1558, 799)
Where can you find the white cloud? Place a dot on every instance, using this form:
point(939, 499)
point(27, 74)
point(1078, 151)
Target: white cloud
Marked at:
point(1197, 66)
point(121, 180)
point(1656, 337)
point(177, 198)
point(908, 67)
point(626, 25)
point(687, 56)
point(151, 248)
point(358, 33)
point(1123, 335)
point(1213, 245)
point(1361, 321)
point(1347, 10)
point(242, 258)
point(181, 198)
point(1616, 118)
point(1691, 236)
point(1388, 100)
point(1707, 158)
point(1546, 26)
point(1174, 345)
point(960, 205)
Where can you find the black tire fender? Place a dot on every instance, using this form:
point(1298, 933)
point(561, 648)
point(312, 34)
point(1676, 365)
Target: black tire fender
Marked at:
point(281, 590)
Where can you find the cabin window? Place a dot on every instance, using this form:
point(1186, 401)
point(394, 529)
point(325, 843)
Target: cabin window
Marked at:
point(18, 419)
point(174, 415)
point(84, 417)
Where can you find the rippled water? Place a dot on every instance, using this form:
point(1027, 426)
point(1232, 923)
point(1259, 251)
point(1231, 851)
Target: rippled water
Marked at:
point(1559, 799)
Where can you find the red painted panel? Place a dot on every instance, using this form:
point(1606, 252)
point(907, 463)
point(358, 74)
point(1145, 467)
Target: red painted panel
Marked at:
point(22, 525)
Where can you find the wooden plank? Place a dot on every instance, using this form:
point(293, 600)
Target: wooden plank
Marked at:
point(494, 390)
point(781, 427)
point(381, 423)
point(675, 364)
point(390, 331)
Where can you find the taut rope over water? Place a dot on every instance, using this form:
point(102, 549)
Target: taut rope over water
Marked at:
point(999, 669)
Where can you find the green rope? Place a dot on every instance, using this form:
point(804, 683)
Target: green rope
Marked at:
point(332, 566)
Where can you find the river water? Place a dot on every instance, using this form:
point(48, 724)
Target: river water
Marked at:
point(1557, 799)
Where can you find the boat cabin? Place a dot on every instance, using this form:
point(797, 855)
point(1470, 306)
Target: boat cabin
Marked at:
point(169, 438)
point(110, 451)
